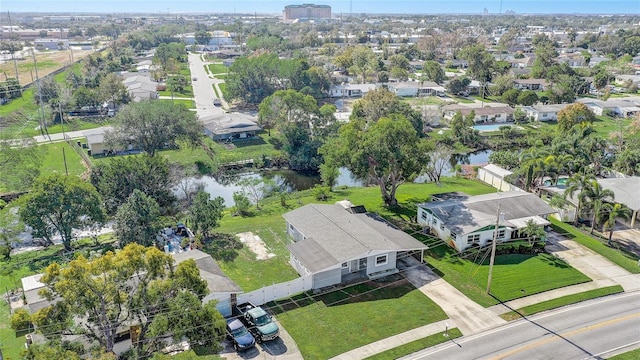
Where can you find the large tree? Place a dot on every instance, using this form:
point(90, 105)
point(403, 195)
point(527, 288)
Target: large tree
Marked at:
point(205, 213)
point(57, 204)
point(287, 106)
point(154, 125)
point(432, 70)
point(137, 285)
point(137, 220)
point(612, 212)
point(388, 152)
point(117, 179)
point(574, 114)
point(381, 103)
point(595, 197)
point(482, 65)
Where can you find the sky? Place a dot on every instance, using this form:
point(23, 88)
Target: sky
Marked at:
point(337, 6)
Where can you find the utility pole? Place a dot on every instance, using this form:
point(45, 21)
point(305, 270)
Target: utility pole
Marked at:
point(493, 249)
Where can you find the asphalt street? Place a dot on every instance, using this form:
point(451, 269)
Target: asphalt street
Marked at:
point(202, 87)
point(590, 330)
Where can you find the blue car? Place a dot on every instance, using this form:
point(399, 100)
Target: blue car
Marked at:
point(239, 336)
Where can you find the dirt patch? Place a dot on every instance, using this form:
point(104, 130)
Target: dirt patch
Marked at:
point(48, 62)
point(256, 245)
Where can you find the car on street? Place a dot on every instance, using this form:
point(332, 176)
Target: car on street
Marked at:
point(194, 79)
point(217, 102)
point(239, 336)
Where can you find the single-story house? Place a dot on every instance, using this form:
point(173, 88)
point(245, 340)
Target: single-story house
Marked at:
point(229, 126)
point(51, 44)
point(351, 90)
point(495, 114)
point(626, 191)
point(531, 84)
point(619, 107)
point(470, 221)
point(543, 112)
point(141, 87)
point(414, 88)
point(335, 243)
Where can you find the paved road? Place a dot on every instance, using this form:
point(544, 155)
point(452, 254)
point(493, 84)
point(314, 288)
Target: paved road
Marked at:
point(202, 88)
point(590, 330)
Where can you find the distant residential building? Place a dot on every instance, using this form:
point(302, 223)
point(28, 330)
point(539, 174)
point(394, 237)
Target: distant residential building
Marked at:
point(51, 44)
point(306, 11)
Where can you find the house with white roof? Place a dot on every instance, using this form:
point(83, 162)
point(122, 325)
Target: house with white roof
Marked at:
point(543, 112)
point(470, 221)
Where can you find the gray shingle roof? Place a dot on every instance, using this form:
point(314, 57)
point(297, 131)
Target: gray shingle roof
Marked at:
point(216, 280)
point(626, 190)
point(334, 235)
point(465, 216)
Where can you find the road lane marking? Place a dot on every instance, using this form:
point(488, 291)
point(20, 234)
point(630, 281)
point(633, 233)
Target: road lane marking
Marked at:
point(560, 336)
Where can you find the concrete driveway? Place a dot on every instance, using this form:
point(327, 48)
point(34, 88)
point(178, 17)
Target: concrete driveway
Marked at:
point(284, 347)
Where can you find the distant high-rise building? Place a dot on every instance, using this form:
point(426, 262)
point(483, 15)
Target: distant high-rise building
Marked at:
point(307, 11)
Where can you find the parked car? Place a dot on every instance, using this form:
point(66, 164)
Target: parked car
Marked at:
point(217, 102)
point(239, 336)
point(194, 79)
point(258, 321)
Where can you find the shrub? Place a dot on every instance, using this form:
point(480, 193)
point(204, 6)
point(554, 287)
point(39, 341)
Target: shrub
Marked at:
point(242, 203)
point(321, 193)
point(21, 320)
point(223, 246)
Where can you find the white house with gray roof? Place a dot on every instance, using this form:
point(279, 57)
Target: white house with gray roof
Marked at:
point(337, 242)
point(465, 221)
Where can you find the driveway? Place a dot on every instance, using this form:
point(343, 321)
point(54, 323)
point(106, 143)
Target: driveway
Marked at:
point(284, 347)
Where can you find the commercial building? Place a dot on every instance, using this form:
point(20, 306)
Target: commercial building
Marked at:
point(306, 11)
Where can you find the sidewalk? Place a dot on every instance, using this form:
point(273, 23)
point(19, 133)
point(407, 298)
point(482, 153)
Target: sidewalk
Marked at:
point(396, 340)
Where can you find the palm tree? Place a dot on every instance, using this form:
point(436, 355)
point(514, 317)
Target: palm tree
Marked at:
point(614, 211)
point(575, 184)
point(533, 231)
point(594, 196)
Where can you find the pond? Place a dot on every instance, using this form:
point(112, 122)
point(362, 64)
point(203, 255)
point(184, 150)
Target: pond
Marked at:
point(290, 180)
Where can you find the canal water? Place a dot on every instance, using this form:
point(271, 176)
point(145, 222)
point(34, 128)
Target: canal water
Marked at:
point(289, 180)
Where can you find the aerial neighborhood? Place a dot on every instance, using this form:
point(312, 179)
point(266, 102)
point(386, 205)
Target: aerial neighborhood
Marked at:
point(316, 182)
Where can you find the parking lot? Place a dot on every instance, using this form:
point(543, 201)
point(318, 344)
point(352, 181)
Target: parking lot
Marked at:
point(281, 348)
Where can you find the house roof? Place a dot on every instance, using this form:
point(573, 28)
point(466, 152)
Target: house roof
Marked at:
point(229, 123)
point(464, 216)
point(625, 190)
point(216, 280)
point(497, 170)
point(335, 235)
point(487, 111)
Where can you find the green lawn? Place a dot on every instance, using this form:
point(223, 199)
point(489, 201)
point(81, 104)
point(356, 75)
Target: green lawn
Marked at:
point(416, 345)
point(223, 88)
point(53, 161)
point(218, 69)
point(353, 317)
point(215, 90)
point(268, 223)
point(189, 104)
point(630, 355)
point(562, 301)
point(627, 261)
point(11, 343)
point(462, 100)
point(25, 103)
point(186, 92)
point(221, 76)
point(514, 275)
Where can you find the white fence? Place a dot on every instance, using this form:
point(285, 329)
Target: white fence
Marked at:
point(269, 293)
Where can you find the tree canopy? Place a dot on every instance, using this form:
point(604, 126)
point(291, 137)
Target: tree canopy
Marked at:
point(574, 114)
point(141, 286)
point(137, 220)
point(388, 152)
point(152, 126)
point(57, 204)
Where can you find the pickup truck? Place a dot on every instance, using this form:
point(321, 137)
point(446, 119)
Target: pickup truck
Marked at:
point(257, 321)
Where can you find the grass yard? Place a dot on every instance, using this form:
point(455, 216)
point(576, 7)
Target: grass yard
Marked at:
point(462, 100)
point(12, 344)
point(416, 345)
point(223, 88)
point(53, 161)
point(215, 90)
point(624, 260)
point(24, 103)
point(514, 275)
point(218, 69)
point(561, 301)
point(189, 104)
point(221, 76)
point(187, 92)
point(353, 317)
point(268, 223)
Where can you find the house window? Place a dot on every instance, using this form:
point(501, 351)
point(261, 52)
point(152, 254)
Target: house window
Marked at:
point(473, 238)
point(381, 260)
point(423, 215)
point(442, 226)
point(434, 221)
point(501, 233)
point(454, 235)
point(345, 265)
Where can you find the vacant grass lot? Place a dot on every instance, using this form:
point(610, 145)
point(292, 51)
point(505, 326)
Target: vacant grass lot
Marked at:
point(12, 343)
point(627, 261)
point(218, 69)
point(353, 317)
point(562, 301)
point(189, 104)
point(53, 161)
point(514, 276)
